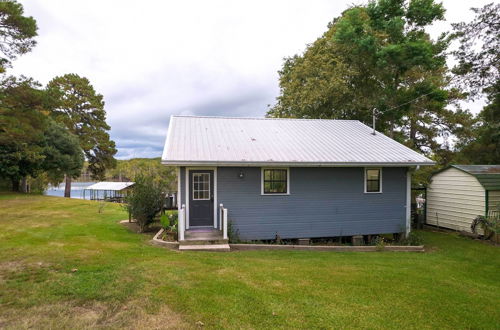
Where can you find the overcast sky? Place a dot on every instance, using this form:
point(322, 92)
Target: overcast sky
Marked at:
point(153, 59)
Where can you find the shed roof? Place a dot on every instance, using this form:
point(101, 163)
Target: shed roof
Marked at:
point(229, 141)
point(487, 175)
point(117, 186)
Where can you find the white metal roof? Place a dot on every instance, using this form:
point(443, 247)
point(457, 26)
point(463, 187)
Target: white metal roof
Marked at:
point(110, 185)
point(266, 141)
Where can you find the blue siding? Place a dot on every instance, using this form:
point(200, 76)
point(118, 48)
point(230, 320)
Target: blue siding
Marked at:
point(323, 202)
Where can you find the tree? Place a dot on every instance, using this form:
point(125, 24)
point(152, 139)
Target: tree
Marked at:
point(478, 56)
point(377, 58)
point(30, 141)
point(145, 200)
point(23, 108)
point(17, 32)
point(478, 73)
point(129, 169)
point(81, 109)
point(62, 153)
point(484, 145)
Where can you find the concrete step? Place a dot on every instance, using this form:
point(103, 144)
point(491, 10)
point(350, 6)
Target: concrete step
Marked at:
point(204, 241)
point(210, 247)
point(203, 235)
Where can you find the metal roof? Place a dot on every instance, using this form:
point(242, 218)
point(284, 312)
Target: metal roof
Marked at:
point(110, 185)
point(229, 141)
point(487, 175)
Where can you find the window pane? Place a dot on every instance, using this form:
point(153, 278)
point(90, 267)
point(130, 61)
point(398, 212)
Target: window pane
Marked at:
point(201, 186)
point(275, 181)
point(372, 186)
point(372, 174)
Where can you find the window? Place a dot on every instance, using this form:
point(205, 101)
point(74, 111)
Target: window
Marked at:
point(373, 180)
point(275, 181)
point(201, 186)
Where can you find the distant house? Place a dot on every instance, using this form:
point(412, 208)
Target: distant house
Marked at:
point(295, 178)
point(459, 193)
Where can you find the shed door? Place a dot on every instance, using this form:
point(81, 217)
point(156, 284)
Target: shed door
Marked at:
point(201, 198)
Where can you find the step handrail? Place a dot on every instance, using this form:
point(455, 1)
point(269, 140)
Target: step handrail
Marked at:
point(223, 220)
point(182, 222)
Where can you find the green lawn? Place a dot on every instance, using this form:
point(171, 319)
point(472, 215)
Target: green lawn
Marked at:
point(122, 281)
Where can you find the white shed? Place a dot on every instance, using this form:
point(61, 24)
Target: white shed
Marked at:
point(459, 193)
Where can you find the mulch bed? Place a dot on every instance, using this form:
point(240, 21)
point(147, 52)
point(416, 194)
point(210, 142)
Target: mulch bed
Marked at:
point(134, 227)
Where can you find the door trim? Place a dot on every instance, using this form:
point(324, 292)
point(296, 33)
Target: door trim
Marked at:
point(187, 193)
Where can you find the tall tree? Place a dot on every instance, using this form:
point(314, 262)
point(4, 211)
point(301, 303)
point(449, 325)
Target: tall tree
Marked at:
point(17, 32)
point(22, 125)
point(378, 58)
point(63, 156)
point(478, 56)
point(478, 73)
point(81, 109)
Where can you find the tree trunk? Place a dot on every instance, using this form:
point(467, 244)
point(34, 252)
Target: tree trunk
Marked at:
point(413, 132)
point(15, 184)
point(67, 187)
point(24, 185)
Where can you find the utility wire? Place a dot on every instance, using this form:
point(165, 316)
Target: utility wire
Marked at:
point(399, 106)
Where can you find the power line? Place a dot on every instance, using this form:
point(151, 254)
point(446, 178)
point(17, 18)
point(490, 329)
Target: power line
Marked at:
point(399, 106)
point(375, 112)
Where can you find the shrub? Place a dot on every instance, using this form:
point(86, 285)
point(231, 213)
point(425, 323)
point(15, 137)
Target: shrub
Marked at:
point(165, 222)
point(233, 234)
point(380, 243)
point(412, 239)
point(490, 225)
point(145, 200)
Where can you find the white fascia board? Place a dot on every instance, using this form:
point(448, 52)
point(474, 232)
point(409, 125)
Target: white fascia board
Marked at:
point(295, 164)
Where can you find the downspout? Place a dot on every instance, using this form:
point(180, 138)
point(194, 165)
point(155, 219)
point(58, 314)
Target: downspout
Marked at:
point(487, 202)
point(408, 202)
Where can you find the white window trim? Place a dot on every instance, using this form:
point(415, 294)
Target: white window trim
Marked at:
point(380, 171)
point(186, 193)
point(287, 181)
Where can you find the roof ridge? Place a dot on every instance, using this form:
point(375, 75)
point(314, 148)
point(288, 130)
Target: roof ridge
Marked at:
point(261, 118)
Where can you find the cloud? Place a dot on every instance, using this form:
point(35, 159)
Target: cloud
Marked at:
point(153, 59)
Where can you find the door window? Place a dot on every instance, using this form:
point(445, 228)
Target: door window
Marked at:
point(201, 186)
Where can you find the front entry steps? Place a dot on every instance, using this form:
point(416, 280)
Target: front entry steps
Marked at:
point(205, 247)
point(204, 239)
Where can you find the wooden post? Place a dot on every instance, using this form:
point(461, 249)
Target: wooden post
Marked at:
point(182, 219)
point(221, 206)
point(225, 224)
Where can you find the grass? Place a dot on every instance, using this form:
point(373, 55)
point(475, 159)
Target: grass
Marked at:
point(64, 265)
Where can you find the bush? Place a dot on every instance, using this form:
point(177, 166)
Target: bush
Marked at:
point(145, 200)
point(490, 225)
point(233, 234)
point(169, 221)
point(412, 239)
point(380, 243)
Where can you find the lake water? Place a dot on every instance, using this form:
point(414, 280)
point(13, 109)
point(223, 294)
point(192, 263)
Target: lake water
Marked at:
point(76, 190)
